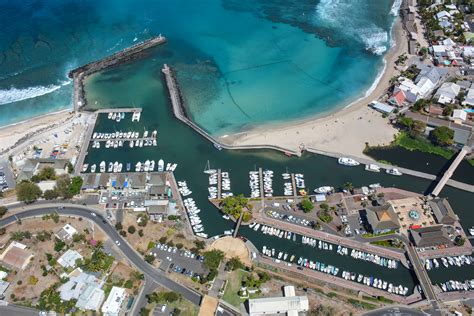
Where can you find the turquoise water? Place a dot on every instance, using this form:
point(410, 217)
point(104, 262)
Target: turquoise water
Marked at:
point(239, 63)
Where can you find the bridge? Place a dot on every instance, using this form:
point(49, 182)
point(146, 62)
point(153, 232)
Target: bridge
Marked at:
point(449, 173)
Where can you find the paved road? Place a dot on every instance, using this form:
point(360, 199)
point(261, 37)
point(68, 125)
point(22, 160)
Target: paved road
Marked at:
point(13, 310)
point(77, 210)
point(395, 311)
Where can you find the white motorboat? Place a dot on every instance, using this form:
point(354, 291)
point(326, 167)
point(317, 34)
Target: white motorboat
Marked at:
point(324, 189)
point(348, 162)
point(372, 167)
point(161, 165)
point(111, 167)
point(93, 168)
point(84, 167)
point(138, 166)
point(146, 166)
point(394, 172)
point(102, 166)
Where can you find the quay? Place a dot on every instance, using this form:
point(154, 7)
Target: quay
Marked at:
point(79, 74)
point(219, 184)
point(85, 144)
point(122, 139)
point(449, 173)
point(293, 183)
point(262, 191)
point(120, 110)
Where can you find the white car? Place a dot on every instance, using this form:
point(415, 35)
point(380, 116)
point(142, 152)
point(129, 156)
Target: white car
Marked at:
point(93, 214)
point(117, 243)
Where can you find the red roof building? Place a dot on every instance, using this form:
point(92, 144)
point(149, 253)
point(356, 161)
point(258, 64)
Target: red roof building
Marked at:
point(398, 98)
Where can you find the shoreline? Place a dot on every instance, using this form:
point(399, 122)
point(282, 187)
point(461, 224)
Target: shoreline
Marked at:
point(335, 124)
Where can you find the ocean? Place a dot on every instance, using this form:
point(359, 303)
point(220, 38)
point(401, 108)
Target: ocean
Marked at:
point(240, 63)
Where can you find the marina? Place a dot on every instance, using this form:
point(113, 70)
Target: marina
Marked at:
point(246, 170)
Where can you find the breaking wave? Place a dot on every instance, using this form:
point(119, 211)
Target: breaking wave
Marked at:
point(14, 95)
point(350, 18)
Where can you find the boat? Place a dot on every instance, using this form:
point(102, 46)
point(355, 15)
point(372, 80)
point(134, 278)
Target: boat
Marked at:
point(84, 167)
point(119, 168)
point(115, 166)
point(152, 166)
point(324, 189)
point(394, 172)
point(348, 162)
point(217, 146)
point(109, 116)
point(111, 167)
point(208, 169)
point(372, 167)
point(138, 166)
point(128, 166)
point(471, 231)
point(102, 166)
point(161, 164)
point(146, 166)
point(168, 165)
point(93, 167)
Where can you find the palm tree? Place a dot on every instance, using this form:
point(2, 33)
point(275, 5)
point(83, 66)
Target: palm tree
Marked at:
point(349, 186)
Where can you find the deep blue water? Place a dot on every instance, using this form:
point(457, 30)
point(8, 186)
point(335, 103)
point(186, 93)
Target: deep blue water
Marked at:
point(239, 62)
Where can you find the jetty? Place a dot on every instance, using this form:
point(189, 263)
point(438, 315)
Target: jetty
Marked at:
point(79, 74)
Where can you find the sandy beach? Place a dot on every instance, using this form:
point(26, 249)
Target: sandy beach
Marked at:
point(345, 131)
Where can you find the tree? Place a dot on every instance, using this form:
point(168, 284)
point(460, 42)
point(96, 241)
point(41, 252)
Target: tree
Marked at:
point(234, 263)
point(149, 258)
point(28, 192)
point(213, 258)
point(419, 105)
point(118, 226)
point(234, 205)
point(59, 245)
point(418, 128)
point(442, 135)
point(50, 194)
point(3, 211)
point(63, 183)
point(306, 205)
point(76, 185)
point(405, 121)
point(349, 186)
point(448, 110)
point(131, 229)
point(70, 167)
point(47, 173)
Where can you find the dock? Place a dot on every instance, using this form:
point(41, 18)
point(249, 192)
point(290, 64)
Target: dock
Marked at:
point(79, 74)
point(219, 184)
point(85, 144)
point(293, 184)
point(262, 191)
point(120, 110)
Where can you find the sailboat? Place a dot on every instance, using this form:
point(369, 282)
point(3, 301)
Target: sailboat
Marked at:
point(208, 169)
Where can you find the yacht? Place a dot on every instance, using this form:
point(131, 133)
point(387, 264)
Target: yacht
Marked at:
point(93, 167)
point(394, 172)
point(471, 231)
point(119, 168)
point(161, 165)
point(348, 162)
point(109, 116)
point(102, 166)
point(111, 167)
point(217, 146)
point(84, 167)
point(324, 189)
point(115, 167)
point(146, 166)
point(152, 166)
point(372, 167)
point(138, 166)
point(128, 166)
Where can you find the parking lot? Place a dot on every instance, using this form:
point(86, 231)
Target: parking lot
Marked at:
point(6, 175)
point(120, 199)
point(179, 261)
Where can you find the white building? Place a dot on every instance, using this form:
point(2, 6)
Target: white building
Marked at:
point(469, 99)
point(289, 305)
point(414, 92)
point(459, 116)
point(69, 258)
point(66, 232)
point(114, 301)
point(443, 15)
point(448, 92)
point(83, 287)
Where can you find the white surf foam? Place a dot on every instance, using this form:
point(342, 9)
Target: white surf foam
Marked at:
point(341, 16)
point(396, 7)
point(14, 95)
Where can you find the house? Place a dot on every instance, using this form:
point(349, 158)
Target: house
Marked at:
point(438, 33)
point(459, 116)
point(414, 92)
point(469, 98)
point(435, 110)
point(113, 304)
point(468, 52)
point(382, 107)
point(289, 305)
point(69, 259)
point(445, 24)
point(381, 219)
point(398, 98)
point(449, 42)
point(443, 15)
point(439, 50)
point(83, 287)
point(16, 256)
point(430, 236)
point(3, 287)
point(464, 84)
point(442, 211)
point(448, 92)
point(66, 232)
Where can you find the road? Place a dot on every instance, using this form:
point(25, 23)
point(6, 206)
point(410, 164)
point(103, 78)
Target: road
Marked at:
point(13, 310)
point(395, 311)
point(84, 212)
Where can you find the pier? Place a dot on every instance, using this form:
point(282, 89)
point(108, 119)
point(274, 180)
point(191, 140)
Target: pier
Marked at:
point(262, 191)
point(120, 110)
point(85, 144)
point(293, 183)
point(449, 173)
point(219, 184)
point(79, 74)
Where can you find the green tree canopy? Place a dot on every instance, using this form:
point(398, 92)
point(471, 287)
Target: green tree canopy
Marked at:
point(306, 205)
point(28, 192)
point(213, 258)
point(76, 185)
point(62, 186)
point(234, 263)
point(234, 205)
point(442, 135)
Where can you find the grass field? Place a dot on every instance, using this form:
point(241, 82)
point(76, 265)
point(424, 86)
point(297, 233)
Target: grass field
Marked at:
point(404, 140)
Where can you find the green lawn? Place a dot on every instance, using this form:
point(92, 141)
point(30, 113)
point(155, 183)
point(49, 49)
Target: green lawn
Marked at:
point(404, 140)
point(234, 282)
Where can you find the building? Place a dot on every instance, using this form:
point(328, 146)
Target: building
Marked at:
point(32, 167)
point(83, 287)
point(3, 287)
point(430, 236)
point(381, 219)
point(114, 301)
point(69, 258)
point(398, 98)
point(290, 306)
point(442, 211)
point(469, 98)
point(66, 232)
point(459, 116)
point(16, 255)
point(448, 92)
